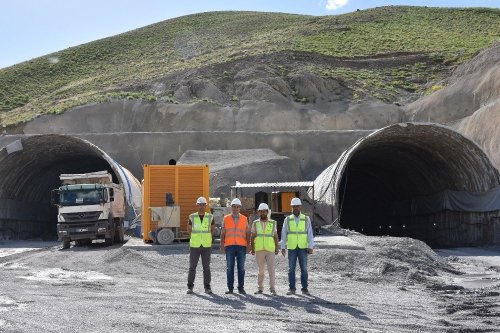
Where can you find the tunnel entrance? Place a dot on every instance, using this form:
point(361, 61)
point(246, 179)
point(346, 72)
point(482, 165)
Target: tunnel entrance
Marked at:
point(423, 181)
point(30, 169)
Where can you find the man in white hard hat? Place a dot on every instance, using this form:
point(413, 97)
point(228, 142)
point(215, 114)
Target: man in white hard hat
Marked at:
point(297, 237)
point(265, 247)
point(201, 227)
point(235, 243)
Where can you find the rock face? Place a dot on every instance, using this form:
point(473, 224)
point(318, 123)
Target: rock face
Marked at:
point(470, 104)
point(302, 116)
point(472, 86)
point(482, 127)
point(245, 166)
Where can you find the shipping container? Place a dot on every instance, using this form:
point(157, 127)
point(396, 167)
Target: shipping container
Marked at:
point(185, 182)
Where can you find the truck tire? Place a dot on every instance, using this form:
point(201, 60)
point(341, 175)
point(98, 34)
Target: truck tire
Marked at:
point(119, 234)
point(165, 236)
point(65, 244)
point(110, 241)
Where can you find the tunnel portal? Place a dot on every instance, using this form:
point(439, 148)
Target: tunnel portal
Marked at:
point(30, 169)
point(423, 181)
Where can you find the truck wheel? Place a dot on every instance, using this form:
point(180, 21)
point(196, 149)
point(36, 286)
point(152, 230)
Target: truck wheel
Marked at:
point(119, 234)
point(165, 236)
point(110, 241)
point(65, 244)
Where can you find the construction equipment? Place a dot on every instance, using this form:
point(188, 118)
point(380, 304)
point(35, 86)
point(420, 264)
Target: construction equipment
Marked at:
point(169, 196)
point(90, 206)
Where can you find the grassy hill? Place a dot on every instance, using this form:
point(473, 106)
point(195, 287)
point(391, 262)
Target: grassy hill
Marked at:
point(381, 53)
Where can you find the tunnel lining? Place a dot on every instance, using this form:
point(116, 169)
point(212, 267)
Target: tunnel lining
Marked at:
point(28, 174)
point(405, 162)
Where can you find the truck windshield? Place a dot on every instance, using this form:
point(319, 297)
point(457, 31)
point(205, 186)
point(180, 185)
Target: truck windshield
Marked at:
point(81, 197)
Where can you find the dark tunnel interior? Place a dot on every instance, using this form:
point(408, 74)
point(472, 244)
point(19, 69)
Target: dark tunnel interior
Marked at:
point(377, 177)
point(29, 175)
point(388, 170)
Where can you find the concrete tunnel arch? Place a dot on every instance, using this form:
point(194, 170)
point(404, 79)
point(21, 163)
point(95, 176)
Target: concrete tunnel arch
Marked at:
point(30, 168)
point(397, 180)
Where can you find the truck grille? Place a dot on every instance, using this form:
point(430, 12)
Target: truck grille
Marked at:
point(81, 217)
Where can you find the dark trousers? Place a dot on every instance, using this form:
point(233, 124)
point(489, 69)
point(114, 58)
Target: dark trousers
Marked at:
point(238, 253)
point(194, 256)
point(293, 255)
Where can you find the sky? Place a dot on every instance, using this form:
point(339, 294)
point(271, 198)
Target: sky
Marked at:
point(34, 28)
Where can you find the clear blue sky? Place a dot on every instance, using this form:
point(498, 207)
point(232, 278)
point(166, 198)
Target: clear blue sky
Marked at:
point(33, 28)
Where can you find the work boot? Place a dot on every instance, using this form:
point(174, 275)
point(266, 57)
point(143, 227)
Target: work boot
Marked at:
point(258, 292)
point(242, 291)
point(305, 292)
point(190, 291)
point(291, 292)
point(230, 291)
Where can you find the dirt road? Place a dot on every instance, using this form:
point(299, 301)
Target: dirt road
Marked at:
point(387, 285)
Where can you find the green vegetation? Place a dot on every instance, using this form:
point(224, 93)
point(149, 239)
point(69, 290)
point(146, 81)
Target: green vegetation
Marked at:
point(121, 67)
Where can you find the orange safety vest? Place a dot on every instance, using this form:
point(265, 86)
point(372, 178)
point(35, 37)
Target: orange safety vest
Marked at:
point(236, 234)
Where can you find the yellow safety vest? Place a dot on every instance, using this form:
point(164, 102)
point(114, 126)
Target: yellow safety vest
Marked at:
point(265, 238)
point(296, 235)
point(201, 233)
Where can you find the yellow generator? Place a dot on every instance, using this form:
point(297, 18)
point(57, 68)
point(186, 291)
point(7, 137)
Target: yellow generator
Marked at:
point(168, 197)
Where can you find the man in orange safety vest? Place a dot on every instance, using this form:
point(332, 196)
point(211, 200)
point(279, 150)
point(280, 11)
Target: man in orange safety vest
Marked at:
point(235, 243)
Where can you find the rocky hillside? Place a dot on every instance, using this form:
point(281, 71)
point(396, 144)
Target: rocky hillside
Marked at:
point(470, 103)
point(253, 71)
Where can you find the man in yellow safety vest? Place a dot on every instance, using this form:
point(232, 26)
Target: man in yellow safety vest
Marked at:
point(265, 247)
point(201, 227)
point(297, 237)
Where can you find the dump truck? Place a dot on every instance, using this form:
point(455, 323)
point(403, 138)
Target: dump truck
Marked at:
point(168, 197)
point(90, 206)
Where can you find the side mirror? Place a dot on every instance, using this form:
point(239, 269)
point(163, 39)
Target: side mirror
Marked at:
point(111, 195)
point(55, 197)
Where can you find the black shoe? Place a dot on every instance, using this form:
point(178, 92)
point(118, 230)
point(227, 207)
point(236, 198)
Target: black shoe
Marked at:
point(273, 292)
point(242, 291)
point(230, 291)
point(258, 292)
point(208, 291)
point(190, 291)
point(305, 292)
point(291, 292)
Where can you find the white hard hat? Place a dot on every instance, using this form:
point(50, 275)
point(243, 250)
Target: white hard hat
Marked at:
point(263, 206)
point(296, 202)
point(236, 201)
point(201, 200)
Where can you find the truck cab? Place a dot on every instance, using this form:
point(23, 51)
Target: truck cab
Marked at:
point(90, 207)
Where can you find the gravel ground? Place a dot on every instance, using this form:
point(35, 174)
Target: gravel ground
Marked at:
point(384, 285)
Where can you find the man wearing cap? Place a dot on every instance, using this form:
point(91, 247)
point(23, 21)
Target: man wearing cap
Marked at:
point(201, 227)
point(265, 247)
point(297, 237)
point(235, 243)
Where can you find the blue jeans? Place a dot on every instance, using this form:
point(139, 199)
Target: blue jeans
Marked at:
point(239, 253)
point(301, 254)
